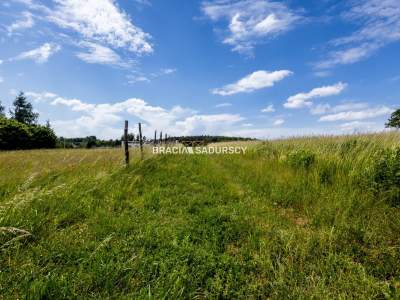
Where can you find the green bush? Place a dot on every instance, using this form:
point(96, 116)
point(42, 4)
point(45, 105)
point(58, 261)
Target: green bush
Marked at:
point(17, 136)
point(42, 137)
point(301, 158)
point(386, 175)
point(14, 135)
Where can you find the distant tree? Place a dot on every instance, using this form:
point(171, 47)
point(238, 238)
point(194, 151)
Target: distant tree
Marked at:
point(2, 110)
point(48, 125)
point(131, 137)
point(394, 120)
point(23, 110)
point(91, 142)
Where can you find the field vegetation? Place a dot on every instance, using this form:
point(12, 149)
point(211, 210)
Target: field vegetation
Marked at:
point(291, 219)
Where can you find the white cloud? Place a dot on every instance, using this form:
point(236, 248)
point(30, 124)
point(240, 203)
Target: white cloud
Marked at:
point(40, 55)
point(250, 21)
point(357, 115)
point(304, 99)
point(1, 79)
point(138, 76)
point(325, 108)
point(348, 56)
point(98, 54)
point(168, 71)
point(379, 26)
point(1, 62)
point(105, 120)
point(224, 104)
point(270, 108)
point(25, 22)
point(254, 81)
point(102, 21)
point(162, 72)
point(40, 97)
point(279, 122)
point(133, 78)
point(207, 124)
point(74, 104)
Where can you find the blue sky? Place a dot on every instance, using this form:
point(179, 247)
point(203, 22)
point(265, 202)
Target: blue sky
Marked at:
point(257, 68)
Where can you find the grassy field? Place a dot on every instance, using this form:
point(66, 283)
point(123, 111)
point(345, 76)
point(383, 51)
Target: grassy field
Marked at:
point(292, 219)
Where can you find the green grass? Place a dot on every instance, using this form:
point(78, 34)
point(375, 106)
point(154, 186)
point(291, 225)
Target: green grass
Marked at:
point(292, 219)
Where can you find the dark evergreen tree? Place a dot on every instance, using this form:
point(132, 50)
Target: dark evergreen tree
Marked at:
point(394, 120)
point(2, 110)
point(23, 110)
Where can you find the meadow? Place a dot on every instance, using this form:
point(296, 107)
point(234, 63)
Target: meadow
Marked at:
point(301, 218)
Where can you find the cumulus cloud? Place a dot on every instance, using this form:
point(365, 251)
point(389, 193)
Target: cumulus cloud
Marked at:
point(252, 82)
point(351, 115)
point(104, 120)
point(208, 124)
point(39, 55)
point(379, 25)
point(270, 108)
point(98, 54)
point(305, 99)
point(101, 21)
point(25, 22)
point(250, 21)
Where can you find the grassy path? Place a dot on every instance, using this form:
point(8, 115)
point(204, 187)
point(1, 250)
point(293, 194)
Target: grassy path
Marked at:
point(190, 227)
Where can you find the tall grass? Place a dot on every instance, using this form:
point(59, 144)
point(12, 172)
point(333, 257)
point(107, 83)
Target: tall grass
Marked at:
point(296, 218)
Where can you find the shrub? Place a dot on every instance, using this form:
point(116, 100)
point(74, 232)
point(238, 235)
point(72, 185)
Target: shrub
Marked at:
point(17, 136)
point(301, 158)
point(386, 175)
point(14, 135)
point(42, 137)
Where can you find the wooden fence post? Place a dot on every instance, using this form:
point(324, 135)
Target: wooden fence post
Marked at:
point(126, 143)
point(141, 140)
